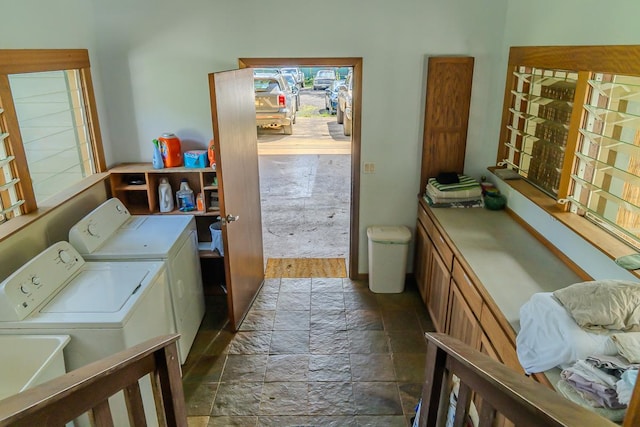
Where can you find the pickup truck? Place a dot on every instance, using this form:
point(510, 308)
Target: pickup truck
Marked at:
point(275, 102)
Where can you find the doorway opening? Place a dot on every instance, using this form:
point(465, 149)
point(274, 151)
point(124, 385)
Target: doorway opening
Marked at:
point(310, 178)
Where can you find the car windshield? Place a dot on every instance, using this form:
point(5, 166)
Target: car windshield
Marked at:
point(290, 79)
point(325, 74)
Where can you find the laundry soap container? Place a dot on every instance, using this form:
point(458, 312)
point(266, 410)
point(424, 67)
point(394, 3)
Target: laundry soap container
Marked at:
point(388, 247)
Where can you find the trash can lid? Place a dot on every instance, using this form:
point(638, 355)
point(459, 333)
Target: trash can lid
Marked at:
point(389, 234)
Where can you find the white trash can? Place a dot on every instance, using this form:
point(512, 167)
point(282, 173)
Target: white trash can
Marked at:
point(388, 247)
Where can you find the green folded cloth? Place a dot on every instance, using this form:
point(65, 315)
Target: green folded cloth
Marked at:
point(630, 262)
point(465, 182)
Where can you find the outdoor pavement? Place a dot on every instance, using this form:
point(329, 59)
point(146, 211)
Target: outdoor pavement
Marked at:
point(305, 186)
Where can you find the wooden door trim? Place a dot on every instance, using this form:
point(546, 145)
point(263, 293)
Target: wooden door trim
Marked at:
point(356, 64)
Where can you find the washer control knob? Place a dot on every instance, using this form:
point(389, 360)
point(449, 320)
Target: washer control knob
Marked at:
point(36, 281)
point(65, 257)
point(91, 229)
point(24, 288)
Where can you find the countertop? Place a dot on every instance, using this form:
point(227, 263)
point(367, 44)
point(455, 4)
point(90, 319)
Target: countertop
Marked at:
point(511, 263)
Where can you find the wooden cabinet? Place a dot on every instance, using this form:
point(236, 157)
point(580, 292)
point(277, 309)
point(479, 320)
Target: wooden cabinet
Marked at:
point(422, 244)
point(439, 280)
point(448, 96)
point(136, 185)
point(462, 320)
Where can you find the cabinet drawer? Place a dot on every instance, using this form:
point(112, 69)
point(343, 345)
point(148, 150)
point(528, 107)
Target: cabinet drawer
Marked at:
point(503, 345)
point(467, 288)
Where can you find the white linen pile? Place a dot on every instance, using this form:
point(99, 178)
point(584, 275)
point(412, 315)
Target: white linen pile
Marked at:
point(588, 330)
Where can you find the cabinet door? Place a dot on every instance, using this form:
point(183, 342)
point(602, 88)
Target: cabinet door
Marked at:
point(463, 324)
point(446, 116)
point(438, 278)
point(420, 262)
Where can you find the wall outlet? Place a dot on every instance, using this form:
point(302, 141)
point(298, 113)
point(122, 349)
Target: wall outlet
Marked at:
point(369, 167)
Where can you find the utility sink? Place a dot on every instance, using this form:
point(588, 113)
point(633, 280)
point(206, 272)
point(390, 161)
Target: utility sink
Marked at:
point(28, 360)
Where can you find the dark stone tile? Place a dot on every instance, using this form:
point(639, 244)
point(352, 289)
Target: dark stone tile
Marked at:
point(372, 367)
point(377, 398)
point(287, 367)
point(265, 301)
point(328, 320)
point(250, 342)
point(402, 301)
point(258, 320)
point(295, 285)
point(331, 398)
point(364, 320)
point(224, 421)
point(307, 421)
point(271, 285)
point(410, 394)
point(400, 320)
point(360, 300)
point(332, 367)
point(294, 301)
point(291, 321)
point(381, 421)
point(199, 397)
point(407, 342)
point(289, 342)
point(237, 399)
point(409, 367)
point(244, 368)
point(349, 285)
point(207, 369)
point(366, 342)
point(284, 398)
point(327, 301)
point(328, 342)
point(326, 284)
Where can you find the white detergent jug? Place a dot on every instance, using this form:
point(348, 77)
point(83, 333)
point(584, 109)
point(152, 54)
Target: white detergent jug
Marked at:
point(165, 196)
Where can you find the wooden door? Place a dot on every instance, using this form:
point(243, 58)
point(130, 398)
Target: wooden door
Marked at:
point(234, 131)
point(420, 262)
point(462, 322)
point(448, 97)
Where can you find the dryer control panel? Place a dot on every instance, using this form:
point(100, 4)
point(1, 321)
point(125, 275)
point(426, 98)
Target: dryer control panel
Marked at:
point(38, 280)
point(98, 226)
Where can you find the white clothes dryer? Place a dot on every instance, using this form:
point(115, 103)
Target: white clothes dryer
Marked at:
point(111, 233)
point(105, 307)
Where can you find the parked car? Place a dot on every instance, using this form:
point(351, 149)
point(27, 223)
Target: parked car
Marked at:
point(291, 80)
point(297, 74)
point(269, 71)
point(344, 111)
point(323, 79)
point(275, 102)
point(331, 96)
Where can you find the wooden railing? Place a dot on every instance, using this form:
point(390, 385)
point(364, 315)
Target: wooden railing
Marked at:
point(501, 390)
point(88, 388)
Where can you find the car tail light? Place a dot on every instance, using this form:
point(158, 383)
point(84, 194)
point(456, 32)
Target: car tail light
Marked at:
point(281, 100)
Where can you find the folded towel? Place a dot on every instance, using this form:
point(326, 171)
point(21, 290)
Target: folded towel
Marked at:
point(474, 191)
point(616, 415)
point(625, 386)
point(465, 183)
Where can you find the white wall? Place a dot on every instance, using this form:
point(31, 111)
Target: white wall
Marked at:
point(590, 23)
point(155, 56)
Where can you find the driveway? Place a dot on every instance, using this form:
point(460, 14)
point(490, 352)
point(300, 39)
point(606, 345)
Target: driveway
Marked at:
point(305, 185)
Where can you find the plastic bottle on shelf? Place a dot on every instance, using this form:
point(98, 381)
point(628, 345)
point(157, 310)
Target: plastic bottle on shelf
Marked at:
point(184, 197)
point(165, 196)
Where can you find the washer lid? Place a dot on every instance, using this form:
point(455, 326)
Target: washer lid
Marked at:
point(97, 291)
point(143, 237)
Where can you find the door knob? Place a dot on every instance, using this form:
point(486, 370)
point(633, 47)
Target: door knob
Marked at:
point(229, 218)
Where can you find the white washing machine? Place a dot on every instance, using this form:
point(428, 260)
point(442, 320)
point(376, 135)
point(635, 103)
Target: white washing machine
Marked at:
point(111, 233)
point(105, 307)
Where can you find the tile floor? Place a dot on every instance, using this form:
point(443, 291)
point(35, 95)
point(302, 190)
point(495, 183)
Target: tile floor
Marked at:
point(311, 352)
